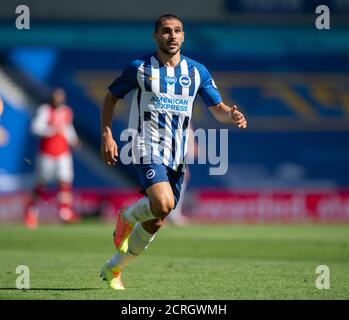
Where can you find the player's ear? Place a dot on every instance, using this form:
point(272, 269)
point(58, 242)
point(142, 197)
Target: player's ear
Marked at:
point(154, 36)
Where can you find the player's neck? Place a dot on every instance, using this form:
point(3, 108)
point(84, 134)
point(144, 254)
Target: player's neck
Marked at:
point(168, 60)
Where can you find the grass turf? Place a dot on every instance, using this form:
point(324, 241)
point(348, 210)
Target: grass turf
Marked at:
point(190, 263)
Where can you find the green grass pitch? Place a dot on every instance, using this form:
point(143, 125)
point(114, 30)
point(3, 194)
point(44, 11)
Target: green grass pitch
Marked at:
point(188, 263)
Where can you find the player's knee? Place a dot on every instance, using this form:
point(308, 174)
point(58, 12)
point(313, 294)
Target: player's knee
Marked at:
point(163, 206)
point(152, 226)
point(158, 223)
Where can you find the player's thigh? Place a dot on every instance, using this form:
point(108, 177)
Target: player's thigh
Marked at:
point(64, 168)
point(45, 168)
point(176, 179)
point(155, 183)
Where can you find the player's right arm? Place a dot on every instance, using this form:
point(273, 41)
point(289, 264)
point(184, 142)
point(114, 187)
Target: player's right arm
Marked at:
point(109, 148)
point(40, 125)
point(117, 90)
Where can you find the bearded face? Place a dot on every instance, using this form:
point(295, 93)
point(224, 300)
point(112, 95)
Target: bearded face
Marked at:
point(169, 36)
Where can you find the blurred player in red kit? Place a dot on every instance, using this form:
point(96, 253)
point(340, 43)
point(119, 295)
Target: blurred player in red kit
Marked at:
point(53, 124)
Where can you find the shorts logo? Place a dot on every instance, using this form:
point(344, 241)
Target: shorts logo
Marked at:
point(185, 81)
point(171, 80)
point(150, 174)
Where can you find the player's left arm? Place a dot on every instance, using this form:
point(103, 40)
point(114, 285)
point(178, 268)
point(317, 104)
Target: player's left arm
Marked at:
point(71, 136)
point(211, 96)
point(69, 129)
point(228, 115)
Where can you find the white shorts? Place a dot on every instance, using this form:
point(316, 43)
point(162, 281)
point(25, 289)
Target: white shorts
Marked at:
point(57, 169)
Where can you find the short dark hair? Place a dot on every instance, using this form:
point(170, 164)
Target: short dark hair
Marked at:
point(163, 17)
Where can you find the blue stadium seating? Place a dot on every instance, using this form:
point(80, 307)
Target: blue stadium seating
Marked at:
point(296, 104)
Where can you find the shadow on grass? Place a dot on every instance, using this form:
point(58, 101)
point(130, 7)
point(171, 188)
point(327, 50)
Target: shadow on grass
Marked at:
point(53, 289)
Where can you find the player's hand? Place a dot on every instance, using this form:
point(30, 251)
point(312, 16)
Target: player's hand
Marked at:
point(109, 149)
point(238, 118)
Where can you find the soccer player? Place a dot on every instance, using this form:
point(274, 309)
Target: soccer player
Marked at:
point(53, 124)
point(165, 85)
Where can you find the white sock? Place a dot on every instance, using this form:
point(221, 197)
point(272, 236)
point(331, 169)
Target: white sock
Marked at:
point(120, 260)
point(140, 211)
point(139, 240)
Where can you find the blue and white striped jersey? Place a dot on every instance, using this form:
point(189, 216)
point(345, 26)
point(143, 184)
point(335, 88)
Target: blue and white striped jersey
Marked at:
point(162, 106)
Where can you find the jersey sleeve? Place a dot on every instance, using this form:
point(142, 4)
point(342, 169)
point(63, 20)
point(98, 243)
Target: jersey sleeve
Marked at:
point(208, 89)
point(40, 123)
point(126, 82)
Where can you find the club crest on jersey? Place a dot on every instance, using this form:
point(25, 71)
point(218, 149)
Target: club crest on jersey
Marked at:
point(171, 80)
point(185, 81)
point(150, 174)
